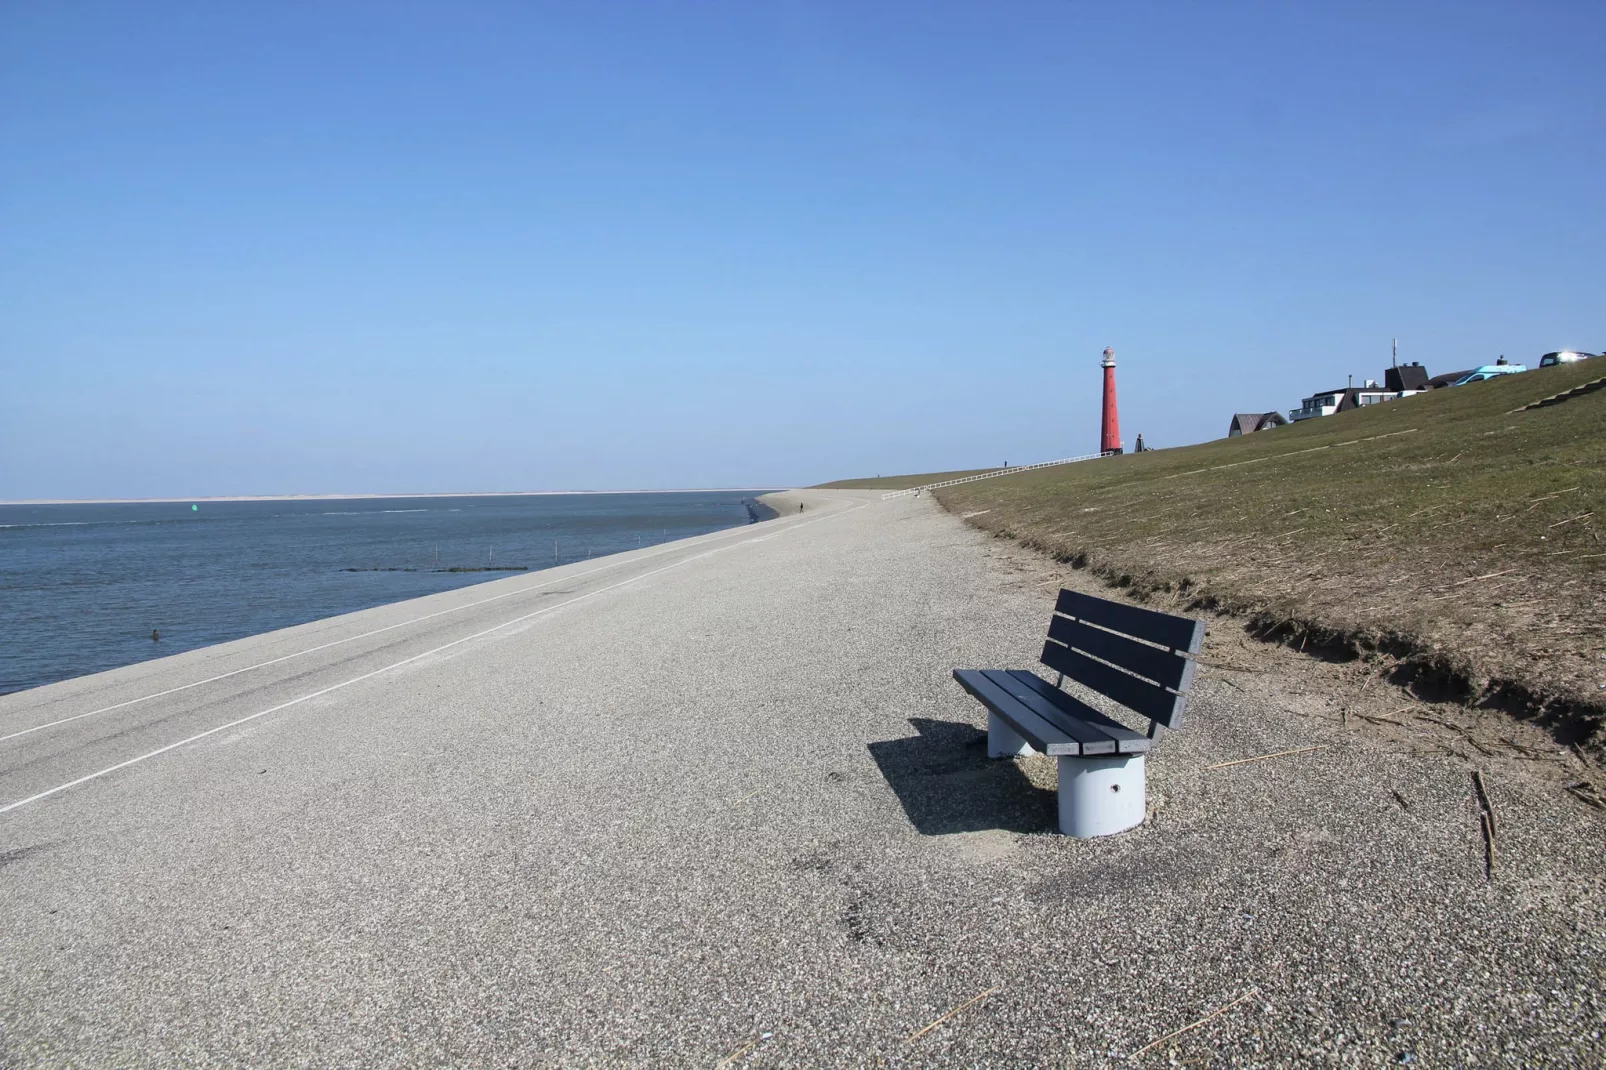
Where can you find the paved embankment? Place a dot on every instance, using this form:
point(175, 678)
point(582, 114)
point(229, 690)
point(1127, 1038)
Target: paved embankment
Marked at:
point(720, 800)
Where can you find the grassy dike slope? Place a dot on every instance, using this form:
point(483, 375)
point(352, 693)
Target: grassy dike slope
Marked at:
point(900, 482)
point(1445, 530)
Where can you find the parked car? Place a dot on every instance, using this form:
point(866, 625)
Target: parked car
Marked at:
point(1489, 371)
point(1565, 356)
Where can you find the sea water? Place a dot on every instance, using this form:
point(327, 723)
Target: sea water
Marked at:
point(84, 586)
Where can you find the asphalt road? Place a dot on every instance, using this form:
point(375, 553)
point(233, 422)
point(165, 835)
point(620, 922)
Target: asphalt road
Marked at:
point(719, 803)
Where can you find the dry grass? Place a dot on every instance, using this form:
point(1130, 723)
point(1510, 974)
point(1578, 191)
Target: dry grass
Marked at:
point(1444, 528)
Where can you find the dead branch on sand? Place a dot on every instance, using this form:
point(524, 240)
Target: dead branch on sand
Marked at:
point(916, 1035)
point(1263, 757)
point(1223, 1009)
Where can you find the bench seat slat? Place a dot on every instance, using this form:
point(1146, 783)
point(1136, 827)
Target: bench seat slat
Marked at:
point(1176, 633)
point(1162, 666)
point(1044, 737)
point(1127, 741)
point(1092, 737)
point(1137, 695)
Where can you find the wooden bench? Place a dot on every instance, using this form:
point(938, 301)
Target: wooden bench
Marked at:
point(1140, 658)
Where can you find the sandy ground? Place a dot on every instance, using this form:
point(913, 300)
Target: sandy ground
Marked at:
point(720, 804)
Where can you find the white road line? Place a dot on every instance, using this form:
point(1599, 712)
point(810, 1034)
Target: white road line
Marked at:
point(348, 639)
point(405, 661)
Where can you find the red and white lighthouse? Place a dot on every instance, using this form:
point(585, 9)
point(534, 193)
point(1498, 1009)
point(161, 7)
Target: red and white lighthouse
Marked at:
point(1110, 438)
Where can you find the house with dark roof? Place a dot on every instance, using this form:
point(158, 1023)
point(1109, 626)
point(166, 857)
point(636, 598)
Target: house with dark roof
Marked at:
point(1244, 423)
point(1411, 377)
point(1399, 381)
point(1328, 402)
point(1323, 403)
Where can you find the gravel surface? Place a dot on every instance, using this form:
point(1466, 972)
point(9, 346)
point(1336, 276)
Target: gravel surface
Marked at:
point(720, 803)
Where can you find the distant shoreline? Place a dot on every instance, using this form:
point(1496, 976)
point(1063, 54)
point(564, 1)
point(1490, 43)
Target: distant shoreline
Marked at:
point(370, 497)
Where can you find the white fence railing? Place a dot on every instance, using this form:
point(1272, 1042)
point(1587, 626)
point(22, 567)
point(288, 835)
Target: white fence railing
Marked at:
point(989, 475)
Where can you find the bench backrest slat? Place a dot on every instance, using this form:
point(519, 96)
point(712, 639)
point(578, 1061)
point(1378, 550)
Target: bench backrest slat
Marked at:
point(1140, 696)
point(1164, 667)
point(1082, 639)
point(1174, 633)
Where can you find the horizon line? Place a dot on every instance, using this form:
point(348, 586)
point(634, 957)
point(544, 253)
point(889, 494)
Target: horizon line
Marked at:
point(370, 496)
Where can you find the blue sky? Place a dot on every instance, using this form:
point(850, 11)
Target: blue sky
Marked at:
point(286, 248)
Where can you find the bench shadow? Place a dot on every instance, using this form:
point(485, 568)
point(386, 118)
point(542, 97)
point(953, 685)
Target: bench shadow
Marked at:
point(947, 784)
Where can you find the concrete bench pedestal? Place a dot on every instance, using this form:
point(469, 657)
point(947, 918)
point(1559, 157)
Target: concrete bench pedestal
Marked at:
point(1002, 740)
point(1097, 796)
point(1100, 796)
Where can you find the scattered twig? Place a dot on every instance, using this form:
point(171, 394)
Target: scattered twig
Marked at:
point(1227, 665)
point(1485, 576)
point(1454, 459)
point(1223, 1009)
point(1400, 799)
point(1486, 821)
point(1483, 796)
point(972, 1000)
point(1381, 720)
point(1581, 755)
point(1459, 730)
point(1580, 516)
point(1558, 494)
point(739, 1052)
point(1488, 846)
point(1585, 793)
point(1263, 757)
